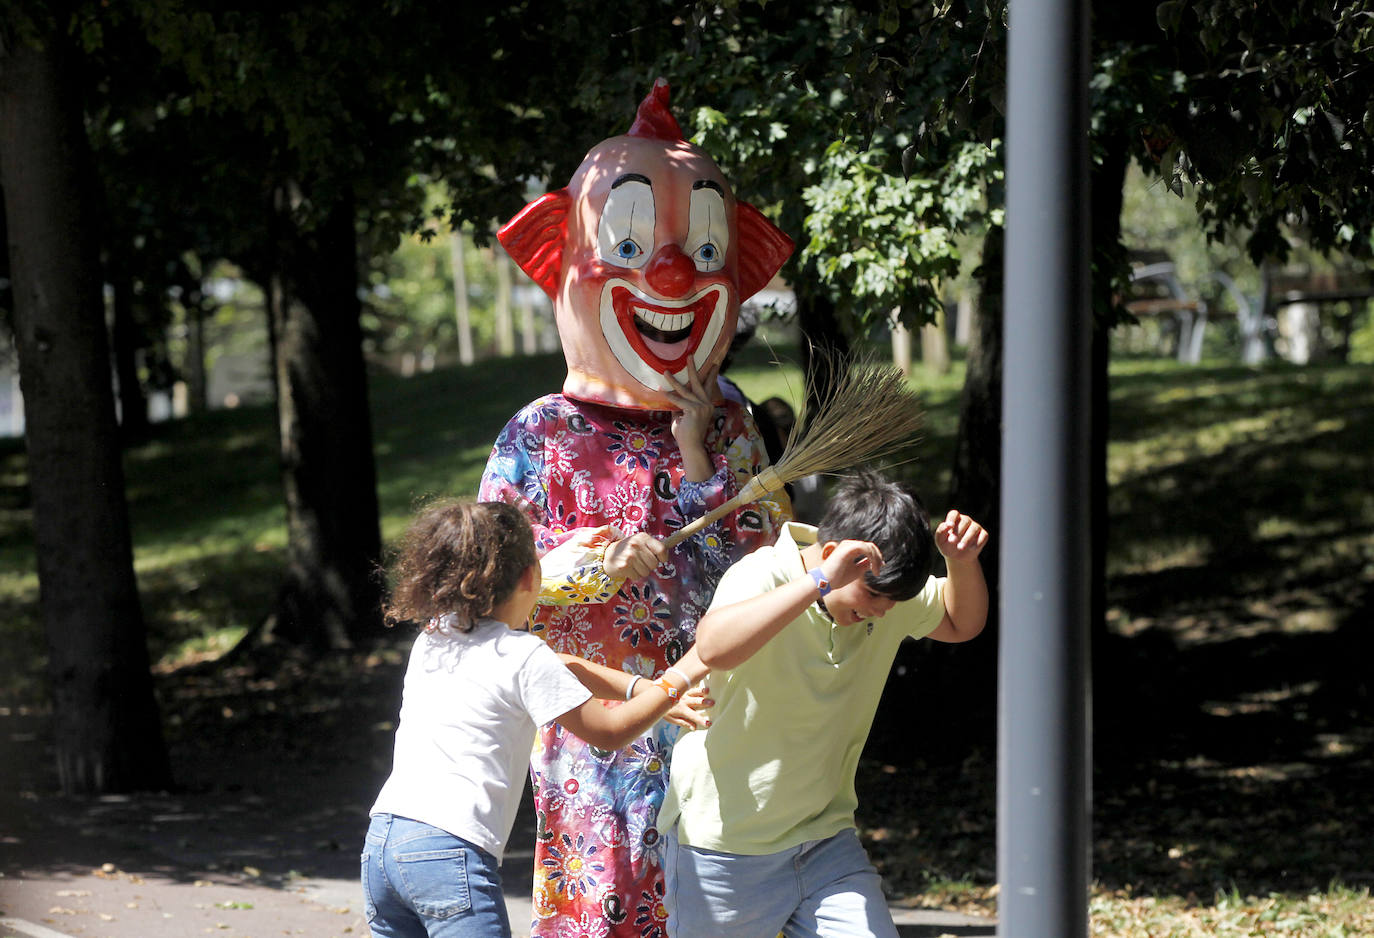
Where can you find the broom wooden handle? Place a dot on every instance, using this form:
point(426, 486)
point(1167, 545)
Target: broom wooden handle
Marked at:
point(760, 485)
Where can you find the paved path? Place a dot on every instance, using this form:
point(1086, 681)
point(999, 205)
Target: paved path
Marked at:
point(225, 864)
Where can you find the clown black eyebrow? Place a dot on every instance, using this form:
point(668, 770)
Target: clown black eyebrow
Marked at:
point(632, 177)
point(709, 184)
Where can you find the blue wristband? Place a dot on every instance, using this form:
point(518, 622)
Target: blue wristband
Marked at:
point(822, 582)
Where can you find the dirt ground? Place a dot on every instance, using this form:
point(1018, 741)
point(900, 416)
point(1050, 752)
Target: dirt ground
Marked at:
point(1240, 765)
point(276, 769)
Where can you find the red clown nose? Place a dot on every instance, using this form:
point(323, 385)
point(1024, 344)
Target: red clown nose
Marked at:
point(671, 272)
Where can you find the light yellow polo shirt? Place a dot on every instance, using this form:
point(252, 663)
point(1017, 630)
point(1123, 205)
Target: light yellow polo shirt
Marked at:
point(777, 766)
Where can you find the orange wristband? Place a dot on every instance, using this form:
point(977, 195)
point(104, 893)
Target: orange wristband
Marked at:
point(666, 686)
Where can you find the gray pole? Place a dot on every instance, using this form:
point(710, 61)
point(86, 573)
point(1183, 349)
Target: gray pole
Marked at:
point(1043, 791)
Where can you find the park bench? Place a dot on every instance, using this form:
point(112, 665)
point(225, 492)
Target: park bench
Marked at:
point(1301, 315)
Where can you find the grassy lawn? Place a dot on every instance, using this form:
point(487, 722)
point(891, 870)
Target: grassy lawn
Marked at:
point(1233, 745)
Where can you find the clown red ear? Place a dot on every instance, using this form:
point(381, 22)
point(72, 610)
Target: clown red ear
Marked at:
point(763, 248)
point(534, 238)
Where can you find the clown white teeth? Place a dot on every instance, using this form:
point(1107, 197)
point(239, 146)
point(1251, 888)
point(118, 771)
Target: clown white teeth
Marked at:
point(669, 327)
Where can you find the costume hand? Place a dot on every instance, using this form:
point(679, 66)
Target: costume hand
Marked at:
point(696, 405)
point(960, 538)
point(849, 560)
point(690, 710)
point(635, 557)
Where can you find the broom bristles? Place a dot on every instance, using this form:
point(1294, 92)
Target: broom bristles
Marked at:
point(869, 412)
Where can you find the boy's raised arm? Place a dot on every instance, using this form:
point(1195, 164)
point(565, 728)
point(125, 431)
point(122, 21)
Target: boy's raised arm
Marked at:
point(961, 539)
point(727, 636)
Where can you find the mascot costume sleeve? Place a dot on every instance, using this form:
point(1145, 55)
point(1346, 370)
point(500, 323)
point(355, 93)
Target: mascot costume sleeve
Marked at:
point(646, 255)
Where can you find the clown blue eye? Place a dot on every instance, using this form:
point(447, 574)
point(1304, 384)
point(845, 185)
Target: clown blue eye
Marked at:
point(707, 252)
point(627, 249)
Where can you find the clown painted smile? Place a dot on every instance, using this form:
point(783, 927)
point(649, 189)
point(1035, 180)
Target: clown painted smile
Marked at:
point(650, 337)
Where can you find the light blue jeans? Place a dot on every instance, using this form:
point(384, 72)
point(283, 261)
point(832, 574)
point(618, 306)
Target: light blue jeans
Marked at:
point(422, 882)
point(820, 889)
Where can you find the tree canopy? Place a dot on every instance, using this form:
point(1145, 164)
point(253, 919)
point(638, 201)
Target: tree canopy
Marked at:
point(1266, 107)
point(304, 141)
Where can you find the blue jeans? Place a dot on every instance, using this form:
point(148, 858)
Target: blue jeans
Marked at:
point(422, 882)
point(820, 889)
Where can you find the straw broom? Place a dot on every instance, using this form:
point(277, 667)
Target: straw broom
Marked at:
point(869, 412)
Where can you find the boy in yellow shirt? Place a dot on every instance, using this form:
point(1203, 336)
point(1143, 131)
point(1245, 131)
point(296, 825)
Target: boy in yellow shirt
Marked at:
point(800, 636)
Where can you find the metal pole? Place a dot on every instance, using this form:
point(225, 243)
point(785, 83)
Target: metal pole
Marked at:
point(1043, 792)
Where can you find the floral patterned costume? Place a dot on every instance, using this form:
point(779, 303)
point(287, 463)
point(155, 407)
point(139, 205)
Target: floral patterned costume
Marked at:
point(577, 468)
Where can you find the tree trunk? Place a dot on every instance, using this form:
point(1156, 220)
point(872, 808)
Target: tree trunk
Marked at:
point(127, 339)
point(1108, 185)
point(935, 344)
point(1115, 676)
point(529, 338)
point(193, 365)
point(976, 483)
point(927, 675)
point(460, 299)
point(193, 305)
point(107, 731)
point(822, 340)
point(331, 597)
point(901, 348)
point(505, 329)
point(976, 489)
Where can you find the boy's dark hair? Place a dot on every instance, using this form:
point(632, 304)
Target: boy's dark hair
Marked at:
point(457, 557)
point(867, 506)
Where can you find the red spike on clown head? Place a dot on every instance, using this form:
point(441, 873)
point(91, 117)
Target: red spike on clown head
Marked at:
point(646, 255)
point(654, 119)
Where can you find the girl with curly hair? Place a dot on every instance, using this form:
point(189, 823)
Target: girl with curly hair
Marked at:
point(477, 688)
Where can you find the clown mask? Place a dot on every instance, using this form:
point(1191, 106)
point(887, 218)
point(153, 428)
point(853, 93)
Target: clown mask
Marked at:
point(646, 255)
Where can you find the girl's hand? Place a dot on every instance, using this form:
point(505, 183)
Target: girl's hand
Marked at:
point(690, 710)
point(635, 557)
point(960, 538)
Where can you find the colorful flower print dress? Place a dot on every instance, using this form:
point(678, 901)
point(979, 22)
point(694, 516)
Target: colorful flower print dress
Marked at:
point(588, 474)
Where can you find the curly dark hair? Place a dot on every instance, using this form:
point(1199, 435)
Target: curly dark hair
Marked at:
point(461, 558)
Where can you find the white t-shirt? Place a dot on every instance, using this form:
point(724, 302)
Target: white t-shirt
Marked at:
point(469, 710)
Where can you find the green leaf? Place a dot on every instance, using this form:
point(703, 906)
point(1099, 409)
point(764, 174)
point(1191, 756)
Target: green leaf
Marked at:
point(890, 19)
point(1169, 15)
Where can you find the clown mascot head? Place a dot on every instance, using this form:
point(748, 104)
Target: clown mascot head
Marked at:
point(646, 255)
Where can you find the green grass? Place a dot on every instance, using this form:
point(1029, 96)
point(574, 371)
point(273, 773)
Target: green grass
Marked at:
point(206, 506)
point(1256, 481)
point(1339, 911)
point(208, 520)
point(1233, 751)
